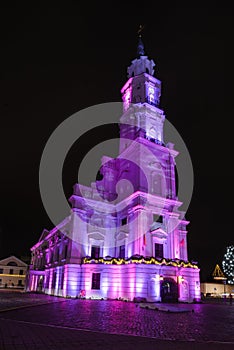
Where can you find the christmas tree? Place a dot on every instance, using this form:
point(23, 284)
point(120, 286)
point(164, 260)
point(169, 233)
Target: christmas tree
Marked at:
point(228, 264)
point(218, 274)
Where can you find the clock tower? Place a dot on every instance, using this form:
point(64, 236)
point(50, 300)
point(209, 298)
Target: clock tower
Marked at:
point(141, 98)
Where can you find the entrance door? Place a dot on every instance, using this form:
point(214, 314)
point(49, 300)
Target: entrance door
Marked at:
point(169, 291)
point(40, 284)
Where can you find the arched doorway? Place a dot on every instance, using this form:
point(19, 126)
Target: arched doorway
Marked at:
point(169, 290)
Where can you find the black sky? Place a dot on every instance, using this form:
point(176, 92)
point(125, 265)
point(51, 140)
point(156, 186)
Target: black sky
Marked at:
point(56, 61)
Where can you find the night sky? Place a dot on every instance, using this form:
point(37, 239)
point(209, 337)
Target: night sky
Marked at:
point(56, 61)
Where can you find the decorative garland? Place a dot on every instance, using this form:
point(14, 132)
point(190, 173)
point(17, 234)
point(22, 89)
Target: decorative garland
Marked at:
point(140, 260)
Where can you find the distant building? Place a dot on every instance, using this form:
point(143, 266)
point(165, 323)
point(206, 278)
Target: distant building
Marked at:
point(12, 272)
point(133, 244)
point(218, 287)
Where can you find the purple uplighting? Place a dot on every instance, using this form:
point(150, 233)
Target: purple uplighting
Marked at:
point(125, 237)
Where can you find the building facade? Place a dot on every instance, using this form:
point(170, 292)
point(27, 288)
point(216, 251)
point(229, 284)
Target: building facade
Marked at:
point(125, 236)
point(216, 290)
point(218, 287)
point(12, 272)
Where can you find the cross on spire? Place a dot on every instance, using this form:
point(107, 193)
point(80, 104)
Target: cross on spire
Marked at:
point(141, 27)
point(140, 46)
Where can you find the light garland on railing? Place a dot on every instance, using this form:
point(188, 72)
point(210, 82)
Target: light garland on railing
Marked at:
point(140, 260)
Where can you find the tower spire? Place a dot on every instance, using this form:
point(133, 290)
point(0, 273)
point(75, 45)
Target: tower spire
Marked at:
point(141, 64)
point(140, 46)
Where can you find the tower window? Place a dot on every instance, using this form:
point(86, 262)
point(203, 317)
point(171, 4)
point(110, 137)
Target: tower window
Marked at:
point(65, 251)
point(158, 218)
point(57, 254)
point(124, 221)
point(158, 250)
point(96, 277)
point(95, 252)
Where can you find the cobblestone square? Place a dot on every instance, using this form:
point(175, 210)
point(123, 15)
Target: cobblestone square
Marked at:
point(37, 321)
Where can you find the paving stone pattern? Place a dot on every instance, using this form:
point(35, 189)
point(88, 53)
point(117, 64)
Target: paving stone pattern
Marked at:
point(56, 323)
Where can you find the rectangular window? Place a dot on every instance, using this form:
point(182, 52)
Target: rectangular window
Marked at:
point(65, 251)
point(96, 280)
point(1, 271)
point(53, 280)
point(122, 251)
point(62, 279)
point(158, 250)
point(47, 281)
point(21, 272)
point(11, 271)
point(57, 254)
point(20, 283)
point(95, 252)
point(0, 281)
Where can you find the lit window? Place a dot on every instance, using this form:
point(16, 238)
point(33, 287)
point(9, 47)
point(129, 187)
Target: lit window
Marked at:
point(127, 100)
point(151, 94)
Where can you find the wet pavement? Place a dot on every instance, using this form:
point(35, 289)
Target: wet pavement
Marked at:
point(34, 321)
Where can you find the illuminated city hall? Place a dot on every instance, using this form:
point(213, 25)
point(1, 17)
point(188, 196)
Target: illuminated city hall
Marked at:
point(130, 245)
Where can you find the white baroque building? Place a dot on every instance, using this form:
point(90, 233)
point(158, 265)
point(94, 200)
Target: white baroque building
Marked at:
point(130, 245)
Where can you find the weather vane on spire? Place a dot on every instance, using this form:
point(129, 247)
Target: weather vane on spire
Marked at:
point(141, 27)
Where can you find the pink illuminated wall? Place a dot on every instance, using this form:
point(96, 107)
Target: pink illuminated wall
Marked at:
point(133, 209)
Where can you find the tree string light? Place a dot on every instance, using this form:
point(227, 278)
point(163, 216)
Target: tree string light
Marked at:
point(228, 264)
